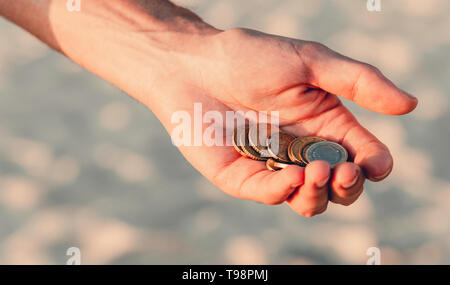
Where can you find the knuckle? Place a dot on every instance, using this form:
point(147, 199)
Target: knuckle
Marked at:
point(235, 33)
point(371, 68)
point(312, 49)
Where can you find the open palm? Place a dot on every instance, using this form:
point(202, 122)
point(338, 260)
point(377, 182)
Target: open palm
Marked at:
point(247, 70)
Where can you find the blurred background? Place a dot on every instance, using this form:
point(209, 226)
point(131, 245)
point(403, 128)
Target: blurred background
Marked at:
point(83, 165)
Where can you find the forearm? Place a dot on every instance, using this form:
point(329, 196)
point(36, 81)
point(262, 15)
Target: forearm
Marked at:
point(127, 42)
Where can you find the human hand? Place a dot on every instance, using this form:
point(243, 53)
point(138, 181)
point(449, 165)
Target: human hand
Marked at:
point(247, 70)
point(169, 59)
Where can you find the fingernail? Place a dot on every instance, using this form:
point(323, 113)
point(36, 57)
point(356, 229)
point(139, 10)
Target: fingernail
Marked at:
point(381, 177)
point(353, 182)
point(322, 184)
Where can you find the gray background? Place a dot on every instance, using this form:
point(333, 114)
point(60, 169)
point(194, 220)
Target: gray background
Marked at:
point(82, 164)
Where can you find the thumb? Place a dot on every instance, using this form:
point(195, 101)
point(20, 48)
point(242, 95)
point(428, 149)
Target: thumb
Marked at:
point(356, 81)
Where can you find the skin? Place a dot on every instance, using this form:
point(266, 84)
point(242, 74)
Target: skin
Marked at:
point(168, 58)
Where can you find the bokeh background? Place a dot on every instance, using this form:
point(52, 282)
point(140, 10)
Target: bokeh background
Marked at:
point(82, 164)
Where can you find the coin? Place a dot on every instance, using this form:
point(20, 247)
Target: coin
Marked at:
point(245, 145)
point(258, 135)
point(236, 145)
point(331, 152)
point(280, 164)
point(278, 145)
point(296, 147)
point(274, 165)
point(309, 141)
point(270, 164)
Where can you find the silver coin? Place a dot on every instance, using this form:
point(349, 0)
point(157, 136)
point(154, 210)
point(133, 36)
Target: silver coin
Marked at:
point(258, 137)
point(331, 152)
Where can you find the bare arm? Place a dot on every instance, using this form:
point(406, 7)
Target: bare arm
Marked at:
point(121, 41)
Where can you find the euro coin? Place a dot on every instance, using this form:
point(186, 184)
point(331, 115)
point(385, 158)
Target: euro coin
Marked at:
point(308, 142)
point(331, 152)
point(296, 147)
point(278, 145)
point(245, 145)
point(258, 135)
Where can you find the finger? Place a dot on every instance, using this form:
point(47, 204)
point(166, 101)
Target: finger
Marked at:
point(356, 81)
point(369, 153)
point(311, 198)
point(249, 179)
point(272, 187)
point(346, 183)
point(366, 150)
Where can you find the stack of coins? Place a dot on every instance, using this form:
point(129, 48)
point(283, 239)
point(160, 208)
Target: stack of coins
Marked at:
point(278, 149)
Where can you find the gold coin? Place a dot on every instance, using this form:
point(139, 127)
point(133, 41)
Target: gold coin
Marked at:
point(245, 145)
point(270, 164)
point(279, 164)
point(258, 135)
point(296, 147)
point(274, 165)
point(278, 146)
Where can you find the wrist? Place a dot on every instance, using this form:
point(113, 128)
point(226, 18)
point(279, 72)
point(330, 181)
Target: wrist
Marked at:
point(171, 57)
point(153, 41)
point(132, 44)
